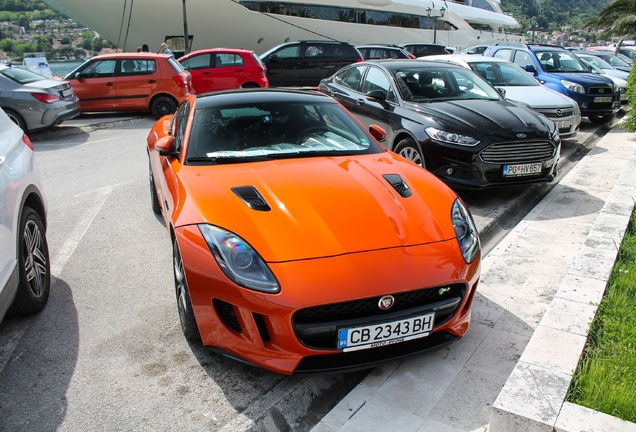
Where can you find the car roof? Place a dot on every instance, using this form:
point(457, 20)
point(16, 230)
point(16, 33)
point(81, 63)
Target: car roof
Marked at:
point(238, 96)
point(406, 63)
point(134, 55)
point(468, 58)
point(219, 49)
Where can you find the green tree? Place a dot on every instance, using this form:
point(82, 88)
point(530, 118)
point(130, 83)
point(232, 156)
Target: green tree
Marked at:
point(618, 19)
point(65, 40)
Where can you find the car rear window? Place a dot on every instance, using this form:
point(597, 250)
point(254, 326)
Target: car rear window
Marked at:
point(175, 65)
point(21, 76)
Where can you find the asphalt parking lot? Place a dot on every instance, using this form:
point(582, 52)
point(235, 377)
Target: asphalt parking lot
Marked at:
point(107, 352)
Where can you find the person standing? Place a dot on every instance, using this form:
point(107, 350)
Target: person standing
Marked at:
point(165, 49)
point(145, 49)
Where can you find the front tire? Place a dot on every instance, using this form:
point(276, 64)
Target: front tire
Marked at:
point(184, 304)
point(408, 149)
point(162, 106)
point(604, 119)
point(33, 266)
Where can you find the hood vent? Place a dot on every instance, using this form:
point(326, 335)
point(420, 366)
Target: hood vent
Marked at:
point(398, 184)
point(252, 197)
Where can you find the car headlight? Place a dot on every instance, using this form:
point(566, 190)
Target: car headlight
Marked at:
point(451, 137)
point(572, 86)
point(466, 231)
point(238, 260)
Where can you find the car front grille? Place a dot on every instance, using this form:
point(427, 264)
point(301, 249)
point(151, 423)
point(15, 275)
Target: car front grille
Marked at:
point(518, 152)
point(600, 90)
point(556, 113)
point(317, 327)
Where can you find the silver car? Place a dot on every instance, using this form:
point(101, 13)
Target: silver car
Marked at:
point(25, 270)
point(519, 86)
point(35, 102)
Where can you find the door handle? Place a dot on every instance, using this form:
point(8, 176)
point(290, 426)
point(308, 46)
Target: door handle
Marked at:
point(360, 102)
point(152, 81)
point(108, 84)
point(239, 70)
point(206, 73)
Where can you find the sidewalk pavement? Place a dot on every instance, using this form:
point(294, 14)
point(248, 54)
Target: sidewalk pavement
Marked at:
point(563, 247)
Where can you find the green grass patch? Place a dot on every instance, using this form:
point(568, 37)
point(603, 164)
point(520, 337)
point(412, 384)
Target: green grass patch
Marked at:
point(605, 379)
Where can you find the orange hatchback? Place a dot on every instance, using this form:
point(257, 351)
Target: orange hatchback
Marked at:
point(300, 244)
point(131, 82)
point(224, 69)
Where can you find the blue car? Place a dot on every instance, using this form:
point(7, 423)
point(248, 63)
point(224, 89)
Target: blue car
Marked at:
point(560, 70)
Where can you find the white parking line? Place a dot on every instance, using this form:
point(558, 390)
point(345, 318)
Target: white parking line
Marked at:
point(94, 205)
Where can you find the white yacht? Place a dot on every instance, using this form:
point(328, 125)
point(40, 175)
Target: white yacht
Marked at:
point(260, 25)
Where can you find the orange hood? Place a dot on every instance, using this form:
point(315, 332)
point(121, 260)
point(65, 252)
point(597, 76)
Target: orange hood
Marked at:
point(320, 207)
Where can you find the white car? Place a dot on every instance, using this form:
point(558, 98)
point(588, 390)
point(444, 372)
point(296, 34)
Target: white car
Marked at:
point(519, 86)
point(25, 270)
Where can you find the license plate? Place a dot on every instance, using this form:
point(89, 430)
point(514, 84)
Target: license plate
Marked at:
point(67, 92)
point(377, 335)
point(522, 170)
point(603, 99)
point(564, 123)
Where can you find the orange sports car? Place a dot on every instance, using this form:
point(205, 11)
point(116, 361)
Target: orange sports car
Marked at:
point(302, 245)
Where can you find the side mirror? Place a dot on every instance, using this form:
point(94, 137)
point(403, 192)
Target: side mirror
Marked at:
point(78, 76)
point(165, 146)
point(377, 132)
point(273, 58)
point(377, 95)
point(501, 91)
point(530, 68)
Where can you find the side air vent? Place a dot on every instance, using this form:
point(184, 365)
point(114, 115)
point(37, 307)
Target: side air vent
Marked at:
point(227, 314)
point(398, 184)
point(252, 197)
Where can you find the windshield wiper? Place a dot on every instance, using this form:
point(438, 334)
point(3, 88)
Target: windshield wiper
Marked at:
point(230, 159)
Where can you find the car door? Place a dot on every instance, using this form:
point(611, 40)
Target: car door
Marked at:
point(229, 71)
point(284, 67)
point(9, 188)
point(135, 86)
point(345, 85)
point(369, 111)
point(200, 67)
point(94, 85)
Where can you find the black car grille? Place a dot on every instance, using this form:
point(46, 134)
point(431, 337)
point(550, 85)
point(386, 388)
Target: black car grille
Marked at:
point(601, 90)
point(519, 152)
point(317, 327)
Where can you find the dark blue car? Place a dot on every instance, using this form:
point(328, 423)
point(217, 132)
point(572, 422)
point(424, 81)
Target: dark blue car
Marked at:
point(561, 70)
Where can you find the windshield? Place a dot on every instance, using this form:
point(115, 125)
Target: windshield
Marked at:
point(275, 130)
point(436, 85)
point(596, 61)
point(615, 61)
point(560, 61)
point(21, 76)
point(503, 74)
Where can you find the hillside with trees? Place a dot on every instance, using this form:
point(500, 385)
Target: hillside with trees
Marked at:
point(554, 14)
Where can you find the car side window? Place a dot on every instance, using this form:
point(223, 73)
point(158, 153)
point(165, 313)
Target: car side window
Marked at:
point(288, 52)
point(377, 80)
point(100, 69)
point(197, 62)
point(351, 77)
point(522, 59)
point(179, 125)
point(226, 60)
point(503, 54)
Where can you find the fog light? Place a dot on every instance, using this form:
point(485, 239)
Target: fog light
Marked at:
point(449, 171)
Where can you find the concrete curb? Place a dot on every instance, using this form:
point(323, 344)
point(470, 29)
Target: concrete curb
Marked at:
point(533, 398)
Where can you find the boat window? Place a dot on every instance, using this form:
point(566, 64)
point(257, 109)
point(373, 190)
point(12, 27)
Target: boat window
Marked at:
point(346, 14)
point(483, 4)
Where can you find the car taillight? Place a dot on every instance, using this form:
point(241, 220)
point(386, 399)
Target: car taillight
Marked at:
point(360, 60)
point(411, 56)
point(182, 80)
point(46, 97)
point(28, 142)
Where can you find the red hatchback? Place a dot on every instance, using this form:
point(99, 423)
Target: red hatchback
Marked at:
point(224, 68)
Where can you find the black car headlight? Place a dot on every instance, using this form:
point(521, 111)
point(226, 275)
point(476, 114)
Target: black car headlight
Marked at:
point(238, 260)
point(451, 137)
point(465, 231)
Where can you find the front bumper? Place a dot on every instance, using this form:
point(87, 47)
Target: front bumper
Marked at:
point(265, 329)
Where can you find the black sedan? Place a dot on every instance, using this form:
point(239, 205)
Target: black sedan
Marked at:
point(450, 121)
